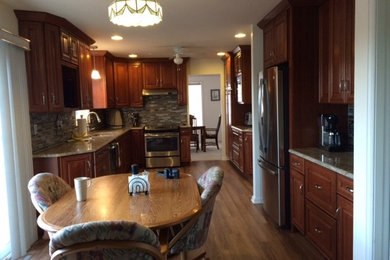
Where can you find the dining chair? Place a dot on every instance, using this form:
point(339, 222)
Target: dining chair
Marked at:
point(45, 189)
point(193, 234)
point(105, 240)
point(194, 133)
point(212, 133)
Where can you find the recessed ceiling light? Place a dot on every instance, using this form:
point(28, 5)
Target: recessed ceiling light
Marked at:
point(116, 38)
point(133, 55)
point(240, 35)
point(221, 53)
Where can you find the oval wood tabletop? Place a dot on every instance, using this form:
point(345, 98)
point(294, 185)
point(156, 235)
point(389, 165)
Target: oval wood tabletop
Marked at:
point(170, 201)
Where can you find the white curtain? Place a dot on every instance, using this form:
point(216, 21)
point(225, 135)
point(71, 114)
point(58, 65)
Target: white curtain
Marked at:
point(16, 146)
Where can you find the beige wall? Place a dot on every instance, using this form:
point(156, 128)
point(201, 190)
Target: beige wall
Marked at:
point(8, 19)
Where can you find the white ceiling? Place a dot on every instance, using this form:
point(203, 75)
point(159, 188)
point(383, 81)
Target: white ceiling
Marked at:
point(201, 27)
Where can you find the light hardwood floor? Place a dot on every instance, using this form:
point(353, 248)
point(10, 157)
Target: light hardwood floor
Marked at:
point(239, 229)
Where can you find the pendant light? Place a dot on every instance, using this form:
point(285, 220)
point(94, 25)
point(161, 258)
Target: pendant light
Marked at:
point(135, 12)
point(95, 73)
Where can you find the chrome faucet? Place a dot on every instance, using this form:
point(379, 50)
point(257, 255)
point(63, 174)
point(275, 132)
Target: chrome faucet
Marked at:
point(89, 119)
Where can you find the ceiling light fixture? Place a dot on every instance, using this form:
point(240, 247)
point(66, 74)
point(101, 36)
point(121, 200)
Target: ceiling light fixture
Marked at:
point(95, 73)
point(135, 12)
point(116, 38)
point(221, 53)
point(240, 35)
point(133, 55)
point(178, 60)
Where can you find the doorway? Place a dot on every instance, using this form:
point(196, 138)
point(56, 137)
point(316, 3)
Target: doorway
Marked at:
point(195, 103)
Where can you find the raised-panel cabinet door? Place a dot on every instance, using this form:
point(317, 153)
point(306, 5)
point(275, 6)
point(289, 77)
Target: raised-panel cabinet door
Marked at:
point(121, 84)
point(280, 39)
point(344, 229)
point(182, 84)
point(76, 166)
point(268, 46)
point(167, 75)
point(135, 84)
point(151, 75)
point(297, 192)
point(85, 69)
point(248, 168)
point(110, 82)
point(323, 47)
point(102, 162)
point(138, 154)
point(55, 94)
point(185, 142)
point(35, 65)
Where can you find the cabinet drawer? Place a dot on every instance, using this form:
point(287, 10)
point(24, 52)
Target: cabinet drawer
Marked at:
point(321, 229)
point(297, 163)
point(237, 138)
point(345, 187)
point(320, 187)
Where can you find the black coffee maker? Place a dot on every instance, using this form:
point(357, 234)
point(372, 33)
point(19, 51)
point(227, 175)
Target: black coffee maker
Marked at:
point(329, 136)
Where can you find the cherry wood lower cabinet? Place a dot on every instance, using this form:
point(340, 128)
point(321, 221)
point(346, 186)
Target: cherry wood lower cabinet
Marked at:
point(241, 150)
point(102, 161)
point(297, 198)
point(322, 207)
point(76, 166)
point(185, 142)
point(248, 157)
point(137, 140)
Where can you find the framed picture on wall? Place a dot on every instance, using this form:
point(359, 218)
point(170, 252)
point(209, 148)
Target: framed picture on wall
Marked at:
point(215, 95)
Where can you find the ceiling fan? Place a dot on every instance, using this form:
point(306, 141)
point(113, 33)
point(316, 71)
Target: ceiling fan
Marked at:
point(178, 51)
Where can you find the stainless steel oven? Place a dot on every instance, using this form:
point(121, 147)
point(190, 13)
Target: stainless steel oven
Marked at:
point(162, 147)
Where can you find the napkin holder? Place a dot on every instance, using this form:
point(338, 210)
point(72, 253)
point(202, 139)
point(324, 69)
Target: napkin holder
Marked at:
point(139, 183)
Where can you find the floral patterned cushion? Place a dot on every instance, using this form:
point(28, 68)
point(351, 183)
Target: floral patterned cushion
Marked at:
point(45, 189)
point(104, 230)
point(210, 182)
point(209, 185)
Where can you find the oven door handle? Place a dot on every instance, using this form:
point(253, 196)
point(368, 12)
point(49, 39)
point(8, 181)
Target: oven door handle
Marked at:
point(162, 135)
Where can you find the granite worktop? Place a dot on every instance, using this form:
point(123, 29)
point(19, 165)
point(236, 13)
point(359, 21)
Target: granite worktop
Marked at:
point(92, 143)
point(340, 162)
point(243, 128)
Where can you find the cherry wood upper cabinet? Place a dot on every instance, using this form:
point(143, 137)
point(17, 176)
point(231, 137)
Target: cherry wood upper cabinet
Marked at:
point(44, 75)
point(69, 48)
point(103, 89)
point(159, 75)
point(85, 69)
point(182, 84)
point(275, 41)
point(242, 71)
point(336, 51)
point(121, 84)
point(135, 84)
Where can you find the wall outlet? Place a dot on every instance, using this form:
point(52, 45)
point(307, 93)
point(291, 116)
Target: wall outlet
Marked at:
point(59, 124)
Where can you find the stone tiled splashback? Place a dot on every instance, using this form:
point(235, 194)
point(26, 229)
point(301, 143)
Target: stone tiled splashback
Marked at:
point(157, 111)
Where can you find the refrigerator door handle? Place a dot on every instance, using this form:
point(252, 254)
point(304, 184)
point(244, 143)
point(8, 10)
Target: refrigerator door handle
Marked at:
point(264, 166)
point(263, 103)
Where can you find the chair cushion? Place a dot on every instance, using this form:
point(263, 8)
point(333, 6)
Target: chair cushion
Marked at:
point(46, 188)
point(105, 230)
point(210, 182)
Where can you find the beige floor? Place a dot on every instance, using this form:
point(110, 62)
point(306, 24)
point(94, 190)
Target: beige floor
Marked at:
point(211, 154)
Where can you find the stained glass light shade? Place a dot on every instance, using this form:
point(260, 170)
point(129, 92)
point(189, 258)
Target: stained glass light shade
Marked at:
point(135, 12)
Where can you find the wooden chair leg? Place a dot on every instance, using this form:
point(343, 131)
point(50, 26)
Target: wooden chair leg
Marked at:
point(216, 142)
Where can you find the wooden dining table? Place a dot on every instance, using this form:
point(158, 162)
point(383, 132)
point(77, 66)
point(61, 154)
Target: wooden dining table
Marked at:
point(169, 202)
point(202, 130)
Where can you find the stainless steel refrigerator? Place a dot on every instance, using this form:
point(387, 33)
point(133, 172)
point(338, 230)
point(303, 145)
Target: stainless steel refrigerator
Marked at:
point(273, 124)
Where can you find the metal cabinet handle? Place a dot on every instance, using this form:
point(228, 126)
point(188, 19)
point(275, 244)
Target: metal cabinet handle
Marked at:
point(341, 86)
point(89, 165)
point(301, 188)
point(53, 98)
point(349, 189)
point(318, 187)
point(318, 231)
point(296, 163)
point(43, 98)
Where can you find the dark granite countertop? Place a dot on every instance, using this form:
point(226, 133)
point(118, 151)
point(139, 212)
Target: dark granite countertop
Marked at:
point(95, 141)
point(340, 162)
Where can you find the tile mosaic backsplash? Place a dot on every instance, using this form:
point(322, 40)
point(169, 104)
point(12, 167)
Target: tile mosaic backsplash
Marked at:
point(157, 111)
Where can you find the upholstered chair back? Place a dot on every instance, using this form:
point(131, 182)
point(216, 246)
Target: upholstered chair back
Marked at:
point(45, 189)
point(105, 240)
point(209, 185)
